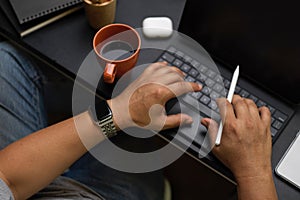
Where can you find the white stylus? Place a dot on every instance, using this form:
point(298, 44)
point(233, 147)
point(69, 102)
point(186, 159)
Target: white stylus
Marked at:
point(229, 98)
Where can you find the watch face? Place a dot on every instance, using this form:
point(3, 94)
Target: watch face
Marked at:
point(102, 110)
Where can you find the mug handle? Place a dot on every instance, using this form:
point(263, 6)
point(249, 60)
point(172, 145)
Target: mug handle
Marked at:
point(109, 73)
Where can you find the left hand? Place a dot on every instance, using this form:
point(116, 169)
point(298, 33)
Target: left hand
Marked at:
point(142, 103)
point(246, 140)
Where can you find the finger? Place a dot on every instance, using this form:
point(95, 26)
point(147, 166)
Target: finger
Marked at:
point(176, 120)
point(181, 73)
point(165, 74)
point(169, 77)
point(179, 88)
point(164, 62)
point(212, 127)
point(254, 112)
point(155, 66)
point(166, 70)
point(226, 109)
point(240, 107)
point(265, 115)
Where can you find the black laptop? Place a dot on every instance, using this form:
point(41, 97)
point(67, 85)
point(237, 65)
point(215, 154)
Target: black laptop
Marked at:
point(260, 36)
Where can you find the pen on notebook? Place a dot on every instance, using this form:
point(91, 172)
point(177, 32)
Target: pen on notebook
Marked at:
point(229, 98)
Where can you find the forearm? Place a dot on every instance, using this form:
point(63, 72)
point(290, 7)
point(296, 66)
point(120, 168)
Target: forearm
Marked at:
point(34, 161)
point(255, 188)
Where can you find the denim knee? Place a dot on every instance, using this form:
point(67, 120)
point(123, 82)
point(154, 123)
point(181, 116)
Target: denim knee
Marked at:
point(9, 53)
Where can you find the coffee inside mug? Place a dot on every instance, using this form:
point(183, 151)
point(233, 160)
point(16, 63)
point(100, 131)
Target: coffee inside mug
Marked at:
point(117, 50)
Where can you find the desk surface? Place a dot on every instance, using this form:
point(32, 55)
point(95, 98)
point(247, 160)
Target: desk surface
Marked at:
point(76, 35)
point(68, 41)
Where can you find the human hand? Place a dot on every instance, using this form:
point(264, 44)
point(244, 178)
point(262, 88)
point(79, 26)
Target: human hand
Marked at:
point(142, 103)
point(246, 140)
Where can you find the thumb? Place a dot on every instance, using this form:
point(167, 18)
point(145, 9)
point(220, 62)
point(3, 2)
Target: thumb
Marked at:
point(212, 127)
point(176, 120)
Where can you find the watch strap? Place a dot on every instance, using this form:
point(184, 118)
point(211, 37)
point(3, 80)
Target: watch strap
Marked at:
point(105, 123)
point(108, 127)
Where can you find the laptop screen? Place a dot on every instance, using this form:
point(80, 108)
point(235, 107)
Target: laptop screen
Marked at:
point(263, 37)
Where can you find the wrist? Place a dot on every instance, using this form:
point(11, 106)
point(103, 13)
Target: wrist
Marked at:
point(257, 187)
point(252, 168)
point(119, 118)
point(88, 131)
point(258, 174)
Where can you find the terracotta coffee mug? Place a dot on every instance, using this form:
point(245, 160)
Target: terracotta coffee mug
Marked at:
point(118, 47)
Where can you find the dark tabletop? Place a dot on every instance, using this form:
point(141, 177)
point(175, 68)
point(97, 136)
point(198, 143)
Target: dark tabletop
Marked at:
point(70, 40)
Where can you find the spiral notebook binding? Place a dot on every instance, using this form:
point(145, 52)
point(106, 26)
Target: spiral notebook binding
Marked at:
point(50, 10)
point(39, 9)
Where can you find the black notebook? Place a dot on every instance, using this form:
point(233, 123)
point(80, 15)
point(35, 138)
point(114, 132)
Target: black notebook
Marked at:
point(27, 16)
point(27, 10)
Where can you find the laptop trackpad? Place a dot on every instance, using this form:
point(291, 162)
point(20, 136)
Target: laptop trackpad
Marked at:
point(195, 132)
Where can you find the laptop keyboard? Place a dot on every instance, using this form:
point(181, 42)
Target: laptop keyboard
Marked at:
point(213, 87)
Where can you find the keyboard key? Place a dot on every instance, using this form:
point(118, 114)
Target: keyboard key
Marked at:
point(277, 124)
point(226, 83)
point(272, 120)
point(161, 60)
point(168, 57)
point(202, 78)
point(179, 54)
point(187, 59)
point(195, 64)
point(244, 94)
point(209, 82)
point(254, 98)
point(214, 95)
point(260, 103)
point(237, 89)
point(218, 88)
point(196, 95)
point(219, 79)
point(272, 110)
point(177, 63)
point(171, 50)
point(213, 105)
point(225, 93)
point(205, 99)
point(190, 79)
point(194, 73)
point(280, 116)
point(202, 69)
point(186, 68)
point(273, 131)
point(206, 90)
point(211, 74)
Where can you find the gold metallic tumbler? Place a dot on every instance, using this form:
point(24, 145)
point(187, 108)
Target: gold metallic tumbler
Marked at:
point(100, 12)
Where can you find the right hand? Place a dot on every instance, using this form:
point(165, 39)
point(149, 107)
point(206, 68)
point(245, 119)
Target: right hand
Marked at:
point(246, 143)
point(142, 103)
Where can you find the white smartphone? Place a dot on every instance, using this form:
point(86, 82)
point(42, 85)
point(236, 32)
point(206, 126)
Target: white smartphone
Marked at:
point(289, 165)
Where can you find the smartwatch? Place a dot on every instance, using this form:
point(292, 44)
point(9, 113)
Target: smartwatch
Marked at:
point(103, 118)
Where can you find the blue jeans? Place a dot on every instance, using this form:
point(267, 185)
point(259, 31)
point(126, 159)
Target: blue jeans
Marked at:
point(22, 112)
